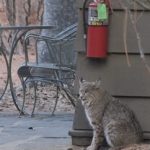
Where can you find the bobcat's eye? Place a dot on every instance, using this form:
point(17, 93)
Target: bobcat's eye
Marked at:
point(85, 91)
point(81, 94)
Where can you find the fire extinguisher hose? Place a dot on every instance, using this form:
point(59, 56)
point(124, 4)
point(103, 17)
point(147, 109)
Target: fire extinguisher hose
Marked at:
point(84, 18)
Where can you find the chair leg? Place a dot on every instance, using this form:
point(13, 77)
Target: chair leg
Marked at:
point(70, 97)
point(56, 101)
point(35, 98)
point(24, 97)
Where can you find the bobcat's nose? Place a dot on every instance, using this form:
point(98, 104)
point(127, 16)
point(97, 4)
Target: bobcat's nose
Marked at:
point(80, 96)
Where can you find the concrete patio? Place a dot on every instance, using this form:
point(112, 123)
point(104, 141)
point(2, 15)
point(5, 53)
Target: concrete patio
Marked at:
point(42, 132)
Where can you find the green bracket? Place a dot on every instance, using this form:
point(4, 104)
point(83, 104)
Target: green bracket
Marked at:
point(102, 11)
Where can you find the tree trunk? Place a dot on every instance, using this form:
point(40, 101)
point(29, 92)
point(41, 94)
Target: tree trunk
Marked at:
point(60, 13)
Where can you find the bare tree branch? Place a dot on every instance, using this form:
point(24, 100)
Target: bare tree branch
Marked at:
point(143, 4)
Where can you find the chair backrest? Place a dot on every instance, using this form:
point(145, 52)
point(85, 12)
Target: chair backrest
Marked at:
point(66, 31)
point(60, 47)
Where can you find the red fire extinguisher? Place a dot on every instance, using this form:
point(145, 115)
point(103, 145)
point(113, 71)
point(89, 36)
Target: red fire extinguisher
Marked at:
point(97, 32)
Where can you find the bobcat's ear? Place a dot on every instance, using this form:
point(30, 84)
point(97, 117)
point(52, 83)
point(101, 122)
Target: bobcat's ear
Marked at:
point(80, 81)
point(98, 83)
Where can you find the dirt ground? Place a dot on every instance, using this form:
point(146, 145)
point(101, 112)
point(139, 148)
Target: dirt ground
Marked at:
point(46, 94)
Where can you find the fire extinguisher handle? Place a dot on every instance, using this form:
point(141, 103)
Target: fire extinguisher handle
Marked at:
point(84, 19)
point(108, 2)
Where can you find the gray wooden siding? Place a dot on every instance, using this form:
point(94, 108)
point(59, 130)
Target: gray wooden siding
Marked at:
point(116, 33)
point(117, 77)
point(116, 4)
point(130, 84)
point(116, 44)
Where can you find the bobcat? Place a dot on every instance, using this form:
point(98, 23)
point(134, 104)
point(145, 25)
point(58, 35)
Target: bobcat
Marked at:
point(109, 118)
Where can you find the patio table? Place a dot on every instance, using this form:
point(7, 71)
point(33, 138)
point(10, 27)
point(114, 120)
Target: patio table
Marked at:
point(19, 32)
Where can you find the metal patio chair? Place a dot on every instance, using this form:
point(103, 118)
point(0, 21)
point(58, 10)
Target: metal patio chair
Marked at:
point(60, 71)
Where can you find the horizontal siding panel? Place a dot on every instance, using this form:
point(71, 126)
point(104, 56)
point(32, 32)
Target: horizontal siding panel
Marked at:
point(116, 29)
point(116, 5)
point(117, 77)
point(131, 85)
point(116, 40)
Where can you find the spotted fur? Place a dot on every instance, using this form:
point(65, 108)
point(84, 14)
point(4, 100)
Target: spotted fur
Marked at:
point(109, 118)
